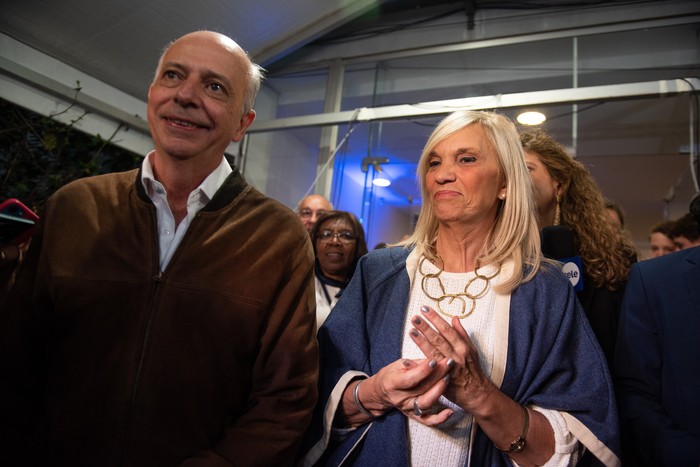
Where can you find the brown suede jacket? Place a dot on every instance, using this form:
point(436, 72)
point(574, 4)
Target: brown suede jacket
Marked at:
point(108, 361)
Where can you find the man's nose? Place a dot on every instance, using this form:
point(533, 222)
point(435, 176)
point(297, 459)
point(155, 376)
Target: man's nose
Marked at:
point(187, 93)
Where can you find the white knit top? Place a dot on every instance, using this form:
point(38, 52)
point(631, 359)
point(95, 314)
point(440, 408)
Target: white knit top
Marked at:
point(448, 444)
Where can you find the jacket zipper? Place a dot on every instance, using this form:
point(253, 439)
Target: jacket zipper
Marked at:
point(155, 283)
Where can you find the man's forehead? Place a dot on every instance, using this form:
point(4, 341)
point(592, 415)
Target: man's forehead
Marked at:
point(314, 203)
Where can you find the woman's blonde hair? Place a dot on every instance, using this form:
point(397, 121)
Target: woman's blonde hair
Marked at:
point(514, 235)
point(606, 250)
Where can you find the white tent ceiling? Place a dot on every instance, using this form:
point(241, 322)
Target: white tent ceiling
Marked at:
point(393, 53)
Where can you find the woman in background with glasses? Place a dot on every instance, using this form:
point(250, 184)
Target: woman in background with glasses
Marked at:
point(339, 242)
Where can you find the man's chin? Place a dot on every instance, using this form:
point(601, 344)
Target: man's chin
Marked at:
point(180, 151)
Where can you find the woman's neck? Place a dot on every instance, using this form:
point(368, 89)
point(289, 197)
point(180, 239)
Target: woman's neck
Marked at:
point(335, 276)
point(459, 249)
point(340, 277)
point(546, 217)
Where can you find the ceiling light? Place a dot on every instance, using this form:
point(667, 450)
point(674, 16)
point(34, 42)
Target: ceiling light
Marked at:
point(381, 181)
point(531, 118)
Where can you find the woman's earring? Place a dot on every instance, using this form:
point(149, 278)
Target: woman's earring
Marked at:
point(557, 213)
point(502, 195)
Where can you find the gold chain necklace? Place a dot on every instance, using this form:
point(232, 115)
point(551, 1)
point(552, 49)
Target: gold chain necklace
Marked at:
point(461, 296)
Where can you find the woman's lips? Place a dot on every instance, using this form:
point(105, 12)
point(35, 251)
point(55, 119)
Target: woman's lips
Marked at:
point(445, 194)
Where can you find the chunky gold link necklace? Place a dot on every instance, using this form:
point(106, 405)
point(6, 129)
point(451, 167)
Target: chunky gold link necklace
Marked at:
point(461, 296)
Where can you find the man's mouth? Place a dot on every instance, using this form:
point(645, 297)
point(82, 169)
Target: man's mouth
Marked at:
point(183, 123)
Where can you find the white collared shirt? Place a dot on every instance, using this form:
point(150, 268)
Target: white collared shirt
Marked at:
point(169, 234)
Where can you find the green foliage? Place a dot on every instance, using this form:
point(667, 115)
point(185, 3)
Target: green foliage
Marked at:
point(38, 155)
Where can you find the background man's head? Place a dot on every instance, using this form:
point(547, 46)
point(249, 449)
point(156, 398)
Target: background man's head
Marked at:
point(311, 208)
point(686, 232)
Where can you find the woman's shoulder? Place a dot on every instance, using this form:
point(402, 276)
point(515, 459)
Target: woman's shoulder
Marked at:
point(549, 280)
point(385, 257)
point(549, 271)
point(379, 265)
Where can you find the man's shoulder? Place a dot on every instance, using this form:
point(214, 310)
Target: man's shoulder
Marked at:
point(270, 219)
point(272, 208)
point(106, 182)
point(670, 264)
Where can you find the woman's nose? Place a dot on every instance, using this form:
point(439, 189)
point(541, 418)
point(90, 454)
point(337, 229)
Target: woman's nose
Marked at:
point(445, 173)
point(335, 239)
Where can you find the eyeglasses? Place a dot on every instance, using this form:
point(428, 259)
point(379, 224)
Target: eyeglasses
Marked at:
point(325, 236)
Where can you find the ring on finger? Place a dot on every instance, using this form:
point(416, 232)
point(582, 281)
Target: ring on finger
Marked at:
point(417, 411)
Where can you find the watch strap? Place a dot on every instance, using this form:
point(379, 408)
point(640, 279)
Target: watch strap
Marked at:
point(520, 443)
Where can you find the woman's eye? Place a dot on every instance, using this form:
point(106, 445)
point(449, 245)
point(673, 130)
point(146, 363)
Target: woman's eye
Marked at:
point(466, 159)
point(433, 163)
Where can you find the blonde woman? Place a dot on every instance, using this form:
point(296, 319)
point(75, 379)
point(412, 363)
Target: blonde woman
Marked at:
point(462, 348)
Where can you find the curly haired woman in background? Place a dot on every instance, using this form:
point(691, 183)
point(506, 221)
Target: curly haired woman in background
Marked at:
point(566, 194)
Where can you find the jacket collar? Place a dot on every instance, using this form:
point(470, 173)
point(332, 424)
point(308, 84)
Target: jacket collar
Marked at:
point(233, 186)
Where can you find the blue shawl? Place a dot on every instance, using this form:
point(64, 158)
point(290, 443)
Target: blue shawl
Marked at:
point(551, 358)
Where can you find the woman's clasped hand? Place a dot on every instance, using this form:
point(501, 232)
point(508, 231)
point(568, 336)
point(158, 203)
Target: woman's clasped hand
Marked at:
point(413, 387)
point(468, 385)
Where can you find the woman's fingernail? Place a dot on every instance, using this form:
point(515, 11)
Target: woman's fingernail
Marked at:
point(425, 309)
point(432, 363)
point(416, 320)
point(414, 333)
point(446, 379)
point(450, 363)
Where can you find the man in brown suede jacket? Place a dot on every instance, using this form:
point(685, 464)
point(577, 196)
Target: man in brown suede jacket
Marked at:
point(165, 316)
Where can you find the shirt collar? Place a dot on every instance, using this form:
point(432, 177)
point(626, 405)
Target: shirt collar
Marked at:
point(207, 188)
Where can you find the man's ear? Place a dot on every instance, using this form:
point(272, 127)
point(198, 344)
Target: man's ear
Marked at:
point(246, 121)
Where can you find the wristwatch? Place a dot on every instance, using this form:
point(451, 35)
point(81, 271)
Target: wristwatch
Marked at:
point(520, 443)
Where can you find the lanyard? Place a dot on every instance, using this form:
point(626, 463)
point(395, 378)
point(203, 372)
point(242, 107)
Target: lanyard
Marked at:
point(325, 292)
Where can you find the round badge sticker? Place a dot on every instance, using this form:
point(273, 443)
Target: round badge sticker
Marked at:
point(572, 271)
